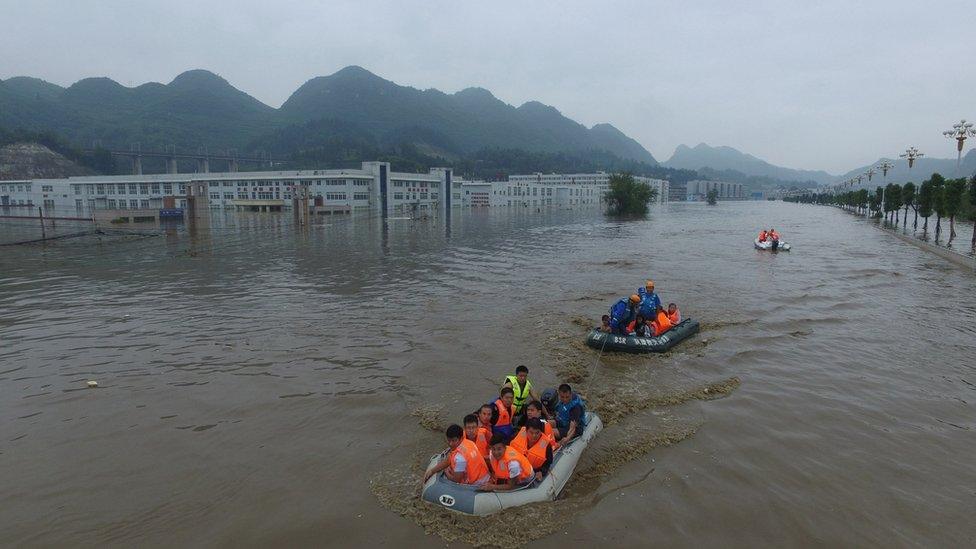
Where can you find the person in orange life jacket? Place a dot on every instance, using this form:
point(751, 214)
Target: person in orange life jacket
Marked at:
point(661, 324)
point(673, 314)
point(477, 434)
point(773, 234)
point(533, 443)
point(605, 324)
point(509, 468)
point(463, 463)
point(501, 413)
point(762, 235)
point(484, 416)
point(534, 410)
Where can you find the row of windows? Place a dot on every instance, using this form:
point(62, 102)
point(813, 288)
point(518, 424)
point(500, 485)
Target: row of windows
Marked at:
point(17, 188)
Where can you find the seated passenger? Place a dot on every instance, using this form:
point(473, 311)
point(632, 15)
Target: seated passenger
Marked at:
point(662, 324)
point(673, 314)
point(533, 443)
point(605, 324)
point(570, 414)
point(641, 329)
point(762, 235)
point(623, 312)
point(463, 463)
point(509, 468)
point(534, 410)
point(477, 434)
point(501, 415)
point(484, 416)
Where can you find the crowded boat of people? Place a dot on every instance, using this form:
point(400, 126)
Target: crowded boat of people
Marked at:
point(519, 448)
point(640, 315)
point(641, 324)
point(509, 443)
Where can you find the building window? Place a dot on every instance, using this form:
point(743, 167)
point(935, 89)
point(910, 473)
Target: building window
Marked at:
point(361, 183)
point(110, 189)
point(155, 188)
point(133, 189)
point(335, 196)
point(215, 196)
point(397, 196)
point(423, 196)
point(49, 204)
point(360, 196)
point(265, 195)
point(134, 204)
point(47, 188)
point(168, 188)
point(144, 204)
point(144, 188)
point(99, 189)
point(228, 196)
point(111, 204)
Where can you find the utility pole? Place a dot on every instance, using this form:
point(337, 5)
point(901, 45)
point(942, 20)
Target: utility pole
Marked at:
point(40, 216)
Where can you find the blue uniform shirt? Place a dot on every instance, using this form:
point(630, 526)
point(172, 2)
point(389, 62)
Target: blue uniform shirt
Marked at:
point(649, 303)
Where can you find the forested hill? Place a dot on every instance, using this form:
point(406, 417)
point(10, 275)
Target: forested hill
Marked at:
point(199, 109)
point(728, 158)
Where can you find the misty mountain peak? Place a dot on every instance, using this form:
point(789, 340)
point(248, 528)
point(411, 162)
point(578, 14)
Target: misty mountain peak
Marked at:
point(199, 78)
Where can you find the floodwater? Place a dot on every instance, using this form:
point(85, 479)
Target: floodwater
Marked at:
point(261, 384)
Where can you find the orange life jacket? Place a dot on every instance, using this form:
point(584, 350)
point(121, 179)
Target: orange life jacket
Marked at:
point(499, 467)
point(774, 235)
point(762, 236)
point(476, 468)
point(481, 440)
point(504, 414)
point(537, 453)
point(662, 324)
point(675, 317)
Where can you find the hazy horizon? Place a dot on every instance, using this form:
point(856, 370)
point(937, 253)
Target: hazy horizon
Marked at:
point(808, 87)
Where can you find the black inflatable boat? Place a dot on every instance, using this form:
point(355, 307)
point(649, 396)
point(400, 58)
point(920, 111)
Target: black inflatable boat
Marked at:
point(633, 344)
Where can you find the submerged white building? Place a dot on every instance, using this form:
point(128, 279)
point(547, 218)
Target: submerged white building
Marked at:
point(373, 187)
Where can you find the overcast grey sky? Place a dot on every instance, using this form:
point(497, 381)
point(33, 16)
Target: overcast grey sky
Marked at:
point(814, 85)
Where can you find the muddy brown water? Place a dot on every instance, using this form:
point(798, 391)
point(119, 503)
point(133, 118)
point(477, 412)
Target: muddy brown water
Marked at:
point(261, 385)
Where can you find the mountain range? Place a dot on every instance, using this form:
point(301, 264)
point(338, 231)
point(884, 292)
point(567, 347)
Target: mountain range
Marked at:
point(200, 109)
point(726, 158)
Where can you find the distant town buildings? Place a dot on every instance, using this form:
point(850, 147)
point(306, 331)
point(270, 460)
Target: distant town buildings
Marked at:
point(373, 187)
point(697, 190)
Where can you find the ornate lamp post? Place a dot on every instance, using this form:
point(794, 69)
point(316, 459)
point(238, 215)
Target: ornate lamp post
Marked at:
point(911, 154)
point(960, 132)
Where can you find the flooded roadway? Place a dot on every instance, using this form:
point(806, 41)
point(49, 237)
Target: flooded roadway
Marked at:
point(264, 385)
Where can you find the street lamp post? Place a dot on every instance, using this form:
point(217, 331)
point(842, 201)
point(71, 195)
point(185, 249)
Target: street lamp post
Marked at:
point(911, 154)
point(960, 132)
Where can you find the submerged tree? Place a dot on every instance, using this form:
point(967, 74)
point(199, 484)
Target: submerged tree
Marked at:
point(938, 203)
point(926, 198)
point(627, 196)
point(712, 197)
point(954, 191)
point(908, 199)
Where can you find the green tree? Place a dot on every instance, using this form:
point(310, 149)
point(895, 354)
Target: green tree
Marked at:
point(908, 199)
point(712, 197)
point(862, 200)
point(876, 200)
point(954, 191)
point(627, 196)
point(938, 202)
point(926, 199)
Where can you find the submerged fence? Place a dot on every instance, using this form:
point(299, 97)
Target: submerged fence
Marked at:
point(25, 225)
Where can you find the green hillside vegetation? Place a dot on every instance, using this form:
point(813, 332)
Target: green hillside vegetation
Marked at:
point(351, 110)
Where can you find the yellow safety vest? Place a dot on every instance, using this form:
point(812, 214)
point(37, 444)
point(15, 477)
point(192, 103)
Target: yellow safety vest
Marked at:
point(521, 394)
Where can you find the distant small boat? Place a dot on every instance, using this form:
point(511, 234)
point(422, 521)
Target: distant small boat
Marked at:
point(634, 344)
point(768, 245)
